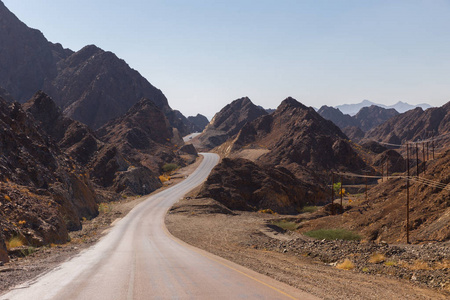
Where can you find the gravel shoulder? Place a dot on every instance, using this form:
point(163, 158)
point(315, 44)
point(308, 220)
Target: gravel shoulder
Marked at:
point(248, 239)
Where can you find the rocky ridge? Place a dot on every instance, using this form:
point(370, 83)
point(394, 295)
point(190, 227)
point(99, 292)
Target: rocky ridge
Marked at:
point(228, 121)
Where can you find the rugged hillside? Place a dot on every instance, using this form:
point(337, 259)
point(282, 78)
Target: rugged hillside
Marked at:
point(43, 192)
point(413, 125)
point(228, 121)
point(337, 117)
point(199, 122)
point(243, 185)
point(372, 116)
point(92, 86)
point(365, 119)
point(299, 139)
point(383, 216)
point(27, 59)
point(143, 136)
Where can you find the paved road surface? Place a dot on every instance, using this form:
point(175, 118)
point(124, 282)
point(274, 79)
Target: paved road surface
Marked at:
point(138, 259)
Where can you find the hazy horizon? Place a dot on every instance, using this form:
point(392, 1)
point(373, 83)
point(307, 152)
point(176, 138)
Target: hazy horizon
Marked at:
point(204, 55)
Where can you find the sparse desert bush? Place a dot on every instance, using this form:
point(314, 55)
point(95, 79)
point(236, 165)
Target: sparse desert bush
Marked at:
point(346, 265)
point(377, 258)
point(104, 208)
point(267, 211)
point(14, 242)
point(167, 168)
point(390, 263)
point(333, 234)
point(164, 178)
point(309, 209)
point(286, 225)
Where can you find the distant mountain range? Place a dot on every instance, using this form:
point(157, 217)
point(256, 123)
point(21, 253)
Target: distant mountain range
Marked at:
point(401, 107)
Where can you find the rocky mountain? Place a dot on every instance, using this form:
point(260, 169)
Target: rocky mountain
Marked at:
point(298, 138)
point(369, 117)
point(91, 85)
point(413, 125)
point(43, 192)
point(337, 117)
point(228, 121)
point(144, 138)
point(240, 184)
point(401, 107)
point(199, 122)
point(365, 119)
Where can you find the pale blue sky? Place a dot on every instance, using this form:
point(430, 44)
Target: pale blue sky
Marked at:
point(204, 54)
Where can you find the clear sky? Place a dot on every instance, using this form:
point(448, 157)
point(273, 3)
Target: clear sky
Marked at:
point(204, 54)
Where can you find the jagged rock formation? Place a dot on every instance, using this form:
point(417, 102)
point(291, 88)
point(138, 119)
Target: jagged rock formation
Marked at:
point(354, 133)
point(337, 117)
point(92, 85)
point(372, 116)
point(240, 184)
point(365, 119)
point(42, 190)
point(229, 121)
point(144, 137)
point(299, 139)
point(413, 125)
point(199, 122)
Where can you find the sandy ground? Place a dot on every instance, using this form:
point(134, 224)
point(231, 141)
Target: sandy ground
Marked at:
point(245, 238)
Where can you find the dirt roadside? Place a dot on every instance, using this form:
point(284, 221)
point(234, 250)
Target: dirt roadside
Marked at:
point(22, 268)
point(245, 238)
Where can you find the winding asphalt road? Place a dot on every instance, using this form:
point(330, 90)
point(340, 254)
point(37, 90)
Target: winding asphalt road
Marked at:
point(139, 259)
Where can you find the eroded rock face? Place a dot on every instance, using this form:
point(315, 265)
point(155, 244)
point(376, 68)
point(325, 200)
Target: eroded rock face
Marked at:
point(199, 122)
point(299, 139)
point(413, 125)
point(240, 184)
point(3, 251)
point(41, 189)
point(229, 121)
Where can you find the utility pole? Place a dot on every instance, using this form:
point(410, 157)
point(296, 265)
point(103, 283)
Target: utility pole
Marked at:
point(428, 152)
point(341, 191)
point(366, 187)
point(417, 159)
point(432, 147)
point(387, 169)
point(332, 187)
point(382, 172)
point(424, 162)
point(407, 195)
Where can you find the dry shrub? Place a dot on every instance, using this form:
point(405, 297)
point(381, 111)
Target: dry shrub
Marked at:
point(377, 258)
point(346, 265)
point(14, 242)
point(443, 265)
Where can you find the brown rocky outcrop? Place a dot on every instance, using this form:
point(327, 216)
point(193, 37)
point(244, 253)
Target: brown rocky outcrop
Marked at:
point(366, 119)
point(199, 122)
point(353, 133)
point(298, 138)
point(228, 121)
point(3, 251)
point(41, 189)
point(372, 116)
point(337, 117)
point(240, 184)
point(413, 125)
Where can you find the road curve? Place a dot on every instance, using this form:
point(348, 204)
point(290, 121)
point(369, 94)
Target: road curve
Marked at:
point(139, 259)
